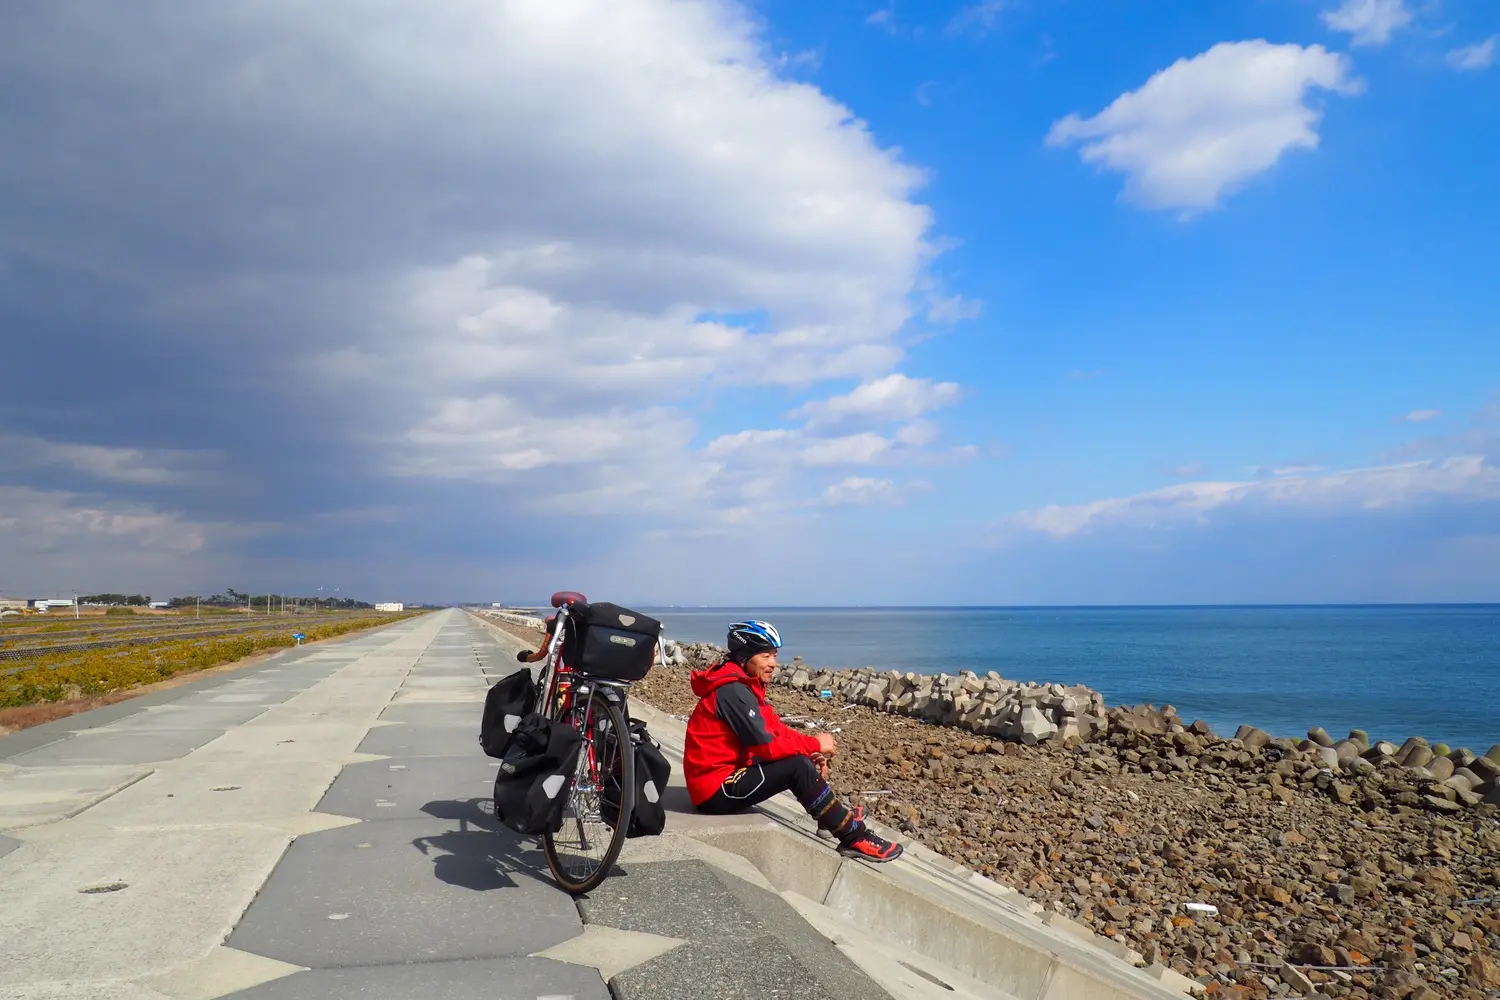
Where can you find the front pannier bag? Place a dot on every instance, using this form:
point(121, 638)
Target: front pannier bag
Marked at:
point(615, 643)
point(535, 775)
point(507, 702)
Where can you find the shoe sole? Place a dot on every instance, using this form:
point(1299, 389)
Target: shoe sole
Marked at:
point(866, 857)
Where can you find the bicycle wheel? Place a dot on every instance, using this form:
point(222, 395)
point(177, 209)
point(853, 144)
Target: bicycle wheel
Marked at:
point(582, 851)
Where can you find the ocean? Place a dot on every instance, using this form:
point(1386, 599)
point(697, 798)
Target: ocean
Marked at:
point(1392, 670)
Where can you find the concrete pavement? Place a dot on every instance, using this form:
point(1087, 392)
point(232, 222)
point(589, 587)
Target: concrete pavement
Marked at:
point(310, 827)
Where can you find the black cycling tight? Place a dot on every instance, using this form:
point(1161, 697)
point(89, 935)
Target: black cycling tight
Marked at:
point(754, 784)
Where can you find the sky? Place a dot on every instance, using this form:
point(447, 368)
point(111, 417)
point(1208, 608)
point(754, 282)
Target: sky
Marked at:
point(705, 302)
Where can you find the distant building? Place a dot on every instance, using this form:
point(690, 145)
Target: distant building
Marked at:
point(391, 606)
point(13, 604)
point(54, 602)
point(497, 604)
point(159, 604)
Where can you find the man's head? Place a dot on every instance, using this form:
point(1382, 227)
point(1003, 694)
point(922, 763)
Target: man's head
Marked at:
point(753, 645)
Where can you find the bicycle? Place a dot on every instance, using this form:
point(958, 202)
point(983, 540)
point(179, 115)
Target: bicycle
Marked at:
point(586, 845)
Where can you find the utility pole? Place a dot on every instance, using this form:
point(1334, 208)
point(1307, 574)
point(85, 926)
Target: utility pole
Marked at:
point(198, 606)
point(75, 604)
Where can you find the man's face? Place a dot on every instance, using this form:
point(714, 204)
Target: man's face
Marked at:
point(762, 665)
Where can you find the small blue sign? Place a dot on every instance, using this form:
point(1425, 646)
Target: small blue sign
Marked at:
point(299, 637)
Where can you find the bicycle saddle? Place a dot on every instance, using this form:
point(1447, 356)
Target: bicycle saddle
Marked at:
point(568, 598)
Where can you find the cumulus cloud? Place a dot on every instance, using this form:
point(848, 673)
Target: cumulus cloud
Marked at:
point(1205, 125)
point(1469, 478)
point(1480, 55)
point(896, 397)
point(1369, 22)
point(365, 257)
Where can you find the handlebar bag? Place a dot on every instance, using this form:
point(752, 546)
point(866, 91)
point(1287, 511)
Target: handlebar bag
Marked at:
point(614, 643)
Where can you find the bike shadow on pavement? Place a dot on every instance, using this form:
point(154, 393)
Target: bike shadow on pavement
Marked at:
point(482, 854)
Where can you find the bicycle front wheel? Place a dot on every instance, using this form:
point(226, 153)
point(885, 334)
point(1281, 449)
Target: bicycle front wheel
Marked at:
point(581, 853)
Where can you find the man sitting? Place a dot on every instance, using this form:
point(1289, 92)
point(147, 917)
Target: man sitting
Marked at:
point(739, 752)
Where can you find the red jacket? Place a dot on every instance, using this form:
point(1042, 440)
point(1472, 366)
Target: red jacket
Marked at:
point(717, 734)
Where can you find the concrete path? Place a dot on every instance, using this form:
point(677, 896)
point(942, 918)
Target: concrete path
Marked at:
point(310, 827)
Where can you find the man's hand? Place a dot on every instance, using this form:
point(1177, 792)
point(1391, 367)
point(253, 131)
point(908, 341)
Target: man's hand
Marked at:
point(827, 744)
point(524, 655)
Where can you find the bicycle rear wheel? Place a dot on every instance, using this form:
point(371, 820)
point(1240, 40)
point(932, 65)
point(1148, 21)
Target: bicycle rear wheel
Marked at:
point(583, 850)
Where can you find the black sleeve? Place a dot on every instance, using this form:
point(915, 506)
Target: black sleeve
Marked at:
point(740, 711)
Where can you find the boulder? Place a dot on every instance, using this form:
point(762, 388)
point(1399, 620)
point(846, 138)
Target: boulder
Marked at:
point(1462, 757)
point(1414, 754)
point(1320, 736)
point(1380, 751)
point(1441, 768)
point(1252, 738)
point(1347, 749)
point(1361, 737)
point(1035, 726)
point(1327, 756)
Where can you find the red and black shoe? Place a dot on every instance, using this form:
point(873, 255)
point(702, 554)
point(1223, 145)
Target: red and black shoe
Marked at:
point(870, 847)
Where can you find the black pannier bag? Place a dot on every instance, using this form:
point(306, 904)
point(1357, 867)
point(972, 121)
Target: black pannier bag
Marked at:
point(535, 775)
point(652, 771)
point(509, 700)
point(614, 643)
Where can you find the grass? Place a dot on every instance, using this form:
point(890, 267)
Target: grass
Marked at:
point(71, 675)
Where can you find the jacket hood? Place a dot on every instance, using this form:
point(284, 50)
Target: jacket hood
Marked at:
point(704, 682)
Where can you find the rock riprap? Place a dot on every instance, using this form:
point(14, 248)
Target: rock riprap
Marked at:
point(988, 705)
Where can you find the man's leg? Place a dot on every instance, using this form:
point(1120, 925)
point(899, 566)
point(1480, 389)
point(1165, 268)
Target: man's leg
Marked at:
point(752, 785)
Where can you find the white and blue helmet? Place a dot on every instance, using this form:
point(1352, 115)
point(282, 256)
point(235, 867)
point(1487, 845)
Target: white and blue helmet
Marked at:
point(751, 637)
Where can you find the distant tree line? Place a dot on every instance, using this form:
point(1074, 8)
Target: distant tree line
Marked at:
point(130, 600)
point(232, 598)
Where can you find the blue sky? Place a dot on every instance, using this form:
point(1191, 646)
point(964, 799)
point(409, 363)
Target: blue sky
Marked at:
point(1029, 301)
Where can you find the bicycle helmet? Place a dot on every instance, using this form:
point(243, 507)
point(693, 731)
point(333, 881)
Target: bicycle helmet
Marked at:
point(751, 637)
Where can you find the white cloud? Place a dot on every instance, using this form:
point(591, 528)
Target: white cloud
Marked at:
point(954, 309)
point(1370, 22)
point(863, 491)
point(1474, 57)
point(1419, 416)
point(1205, 125)
point(505, 253)
point(1461, 478)
point(885, 18)
point(47, 520)
point(980, 18)
point(1189, 470)
point(136, 466)
point(895, 397)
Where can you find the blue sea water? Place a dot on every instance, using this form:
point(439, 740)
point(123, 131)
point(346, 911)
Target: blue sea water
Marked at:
point(1393, 670)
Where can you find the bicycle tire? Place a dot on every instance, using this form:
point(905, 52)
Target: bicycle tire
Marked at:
point(598, 709)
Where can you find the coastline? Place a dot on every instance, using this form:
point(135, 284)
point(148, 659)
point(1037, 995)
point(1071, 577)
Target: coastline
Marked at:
point(1390, 670)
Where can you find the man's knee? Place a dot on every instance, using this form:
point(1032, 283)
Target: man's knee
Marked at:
point(805, 774)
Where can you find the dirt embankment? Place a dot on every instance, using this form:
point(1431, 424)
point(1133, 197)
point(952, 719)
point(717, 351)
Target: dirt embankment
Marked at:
point(1391, 903)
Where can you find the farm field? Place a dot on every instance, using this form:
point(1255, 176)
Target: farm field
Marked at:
point(85, 662)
